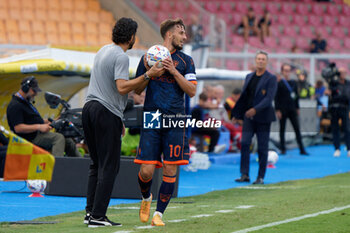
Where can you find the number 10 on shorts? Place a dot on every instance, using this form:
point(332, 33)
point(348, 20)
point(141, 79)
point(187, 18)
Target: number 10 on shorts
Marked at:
point(174, 150)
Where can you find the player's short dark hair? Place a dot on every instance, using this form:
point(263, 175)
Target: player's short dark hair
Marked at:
point(168, 24)
point(237, 91)
point(123, 30)
point(203, 96)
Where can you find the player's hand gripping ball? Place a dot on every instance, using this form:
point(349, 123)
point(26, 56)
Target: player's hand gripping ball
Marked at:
point(157, 53)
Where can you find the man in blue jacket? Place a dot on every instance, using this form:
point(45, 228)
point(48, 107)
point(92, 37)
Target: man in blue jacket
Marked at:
point(254, 107)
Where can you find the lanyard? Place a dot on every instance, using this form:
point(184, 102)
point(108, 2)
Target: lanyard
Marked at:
point(30, 104)
point(287, 85)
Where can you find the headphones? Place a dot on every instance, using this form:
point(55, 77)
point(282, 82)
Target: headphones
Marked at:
point(26, 85)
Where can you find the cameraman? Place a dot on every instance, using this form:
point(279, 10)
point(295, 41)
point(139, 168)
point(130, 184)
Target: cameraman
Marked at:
point(339, 92)
point(25, 120)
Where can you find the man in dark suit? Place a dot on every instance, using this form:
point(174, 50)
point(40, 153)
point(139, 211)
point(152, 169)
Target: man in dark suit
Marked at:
point(287, 106)
point(254, 107)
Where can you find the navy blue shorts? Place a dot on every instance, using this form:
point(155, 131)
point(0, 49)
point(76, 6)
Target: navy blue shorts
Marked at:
point(158, 146)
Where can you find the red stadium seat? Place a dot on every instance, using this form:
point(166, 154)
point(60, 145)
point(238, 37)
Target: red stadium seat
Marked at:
point(306, 31)
point(150, 5)
point(241, 7)
point(226, 7)
point(347, 43)
point(255, 42)
point(314, 20)
point(226, 17)
point(257, 7)
point(299, 20)
point(334, 44)
point(165, 6)
point(237, 19)
point(287, 8)
point(329, 21)
point(290, 31)
point(275, 31)
point(302, 43)
point(333, 10)
point(324, 32)
point(272, 7)
point(233, 65)
point(317, 9)
point(343, 20)
point(270, 42)
point(238, 41)
point(346, 10)
point(286, 42)
point(211, 7)
point(338, 32)
point(284, 19)
point(302, 9)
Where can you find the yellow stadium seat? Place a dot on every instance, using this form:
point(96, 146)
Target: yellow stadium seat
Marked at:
point(77, 28)
point(27, 4)
point(90, 28)
point(11, 25)
point(80, 16)
point(93, 5)
point(93, 16)
point(26, 38)
point(106, 17)
point(4, 13)
point(65, 39)
point(40, 4)
point(38, 26)
point(15, 13)
point(3, 37)
point(67, 15)
point(54, 15)
point(92, 40)
point(28, 14)
point(54, 5)
point(80, 5)
point(79, 39)
point(40, 14)
point(67, 5)
point(13, 4)
point(64, 27)
point(50, 26)
point(52, 38)
point(24, 26)
point(39, 38)
point(104, 28)
point(13, 37)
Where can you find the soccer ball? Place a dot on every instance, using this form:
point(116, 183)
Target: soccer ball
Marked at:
point(156, 53)
point(272, 157)
point(36, 186)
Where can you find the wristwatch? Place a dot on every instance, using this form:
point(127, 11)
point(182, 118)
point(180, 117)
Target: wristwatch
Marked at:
point(146, 77)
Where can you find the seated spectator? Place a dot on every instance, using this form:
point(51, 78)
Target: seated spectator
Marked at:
point(264, 25)
point(25, 120)
point(194, 31)
point(319, 45)
point(231, 101)
point(305, 89)
point(249, 25)
point(200, 112)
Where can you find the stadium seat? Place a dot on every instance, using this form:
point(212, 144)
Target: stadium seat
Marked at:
point(338, 32)
point(346, 10)
point(13, 37)
point(28, 14)
point(287, 8)
point(334, 44)
point(274, 31)
point(4, 14)
point(11, 25)
point(324, 32)
point(226, 7)
point(290, 31)
point(27, 4)
point(26, 38)
point(93, 5)
point(67, 15)
point(24, 26)
point(272, 7)
point(3, 37)
point(233, 65)
point(347, 43)
point(2, 27)
point(302, 9)
point(255, 42)
point(78, 39)
point(286, 42)
point(15, 13)
point(317, 9)
point(161, 16)
point(314, 20)
point(343, 20)
point(40, 5)
point(106, 17)
point(80, 16)
point(165, 6)
point(64, 28)
point(211, 7)
point(52, 38)
point(54, 15)
point(14, 4)
point(77, 28)
point(40, 14)
point(299, 20)
point(333, 10)
point(241, 7)
point(302, 43)
point(91, 28)
point(329, 21)
point(257, 7)
point(270, 42)
point(237, 41)
point(181, 6)
point(39, 38)
point(65, 38)
point(104, 39)
point(80, 5)
point(3, 5)
point(67, 5)
point(284, 19)
point(104, 29)
point(50, 27)
point(92, 40)
point(306, 32)
point(226, 17)
point(236, 19)
point(150, 5)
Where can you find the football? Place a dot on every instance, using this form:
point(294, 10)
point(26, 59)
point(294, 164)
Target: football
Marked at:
point(157, 53)
point(272, 157)
point(36, 186)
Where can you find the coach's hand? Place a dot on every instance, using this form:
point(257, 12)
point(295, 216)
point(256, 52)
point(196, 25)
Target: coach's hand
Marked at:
point(279, 114)
point(169, 66)
point(156, 71)
point(250, 113)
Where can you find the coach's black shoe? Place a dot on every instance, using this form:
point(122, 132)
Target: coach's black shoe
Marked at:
point(303, 152)
point(102, 222)
point(259, 181)
point(86, 218)
point(243, 178)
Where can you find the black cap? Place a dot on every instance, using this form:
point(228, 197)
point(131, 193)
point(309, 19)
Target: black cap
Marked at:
point(32, 83)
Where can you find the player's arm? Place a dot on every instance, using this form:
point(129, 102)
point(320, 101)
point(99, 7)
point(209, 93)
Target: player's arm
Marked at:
point(125, 86)
point(155, 71)
point(187, 86)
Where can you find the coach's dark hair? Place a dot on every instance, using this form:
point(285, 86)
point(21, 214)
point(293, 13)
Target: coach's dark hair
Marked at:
point(123, 30)
point(167, 25)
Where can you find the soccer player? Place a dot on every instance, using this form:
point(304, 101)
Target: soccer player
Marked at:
point(165, 93)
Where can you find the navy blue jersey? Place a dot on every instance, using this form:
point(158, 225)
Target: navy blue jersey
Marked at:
point(163, 92)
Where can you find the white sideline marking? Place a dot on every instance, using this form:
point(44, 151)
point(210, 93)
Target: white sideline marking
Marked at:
point(203, 206)
point(137, 207)
point(202, 215)
point(177, 220)
point(224, 211)
point(256, 187)
point(123, 231)
point(292, 219)
point(144, 227)
point(244, 206)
